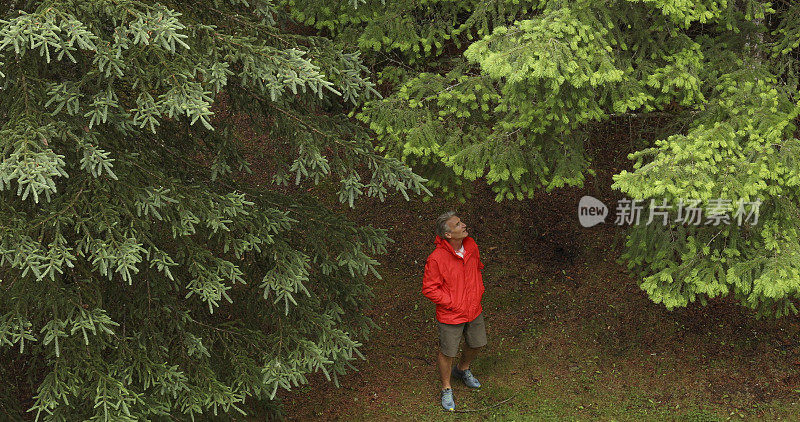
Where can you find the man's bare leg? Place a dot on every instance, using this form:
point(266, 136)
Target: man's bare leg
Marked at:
point(445, 367)
point(467, 355)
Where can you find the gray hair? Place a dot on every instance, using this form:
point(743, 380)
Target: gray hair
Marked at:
point(441, 223)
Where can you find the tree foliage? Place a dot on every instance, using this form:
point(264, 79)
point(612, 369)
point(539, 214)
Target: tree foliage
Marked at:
point(507, 92)
point(141, 277)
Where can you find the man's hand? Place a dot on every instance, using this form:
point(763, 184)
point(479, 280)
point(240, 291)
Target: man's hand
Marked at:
point(455, 307)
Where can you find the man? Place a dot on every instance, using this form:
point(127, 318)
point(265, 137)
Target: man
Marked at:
point(453, 281)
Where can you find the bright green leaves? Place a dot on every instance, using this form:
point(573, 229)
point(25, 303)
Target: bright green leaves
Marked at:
point(65, 95)
point(684, 263)
point(82, 321)
point(53, 31)
point(109, 58)
point(34, 172)
point(535, 91)
point(685, 12)
point(189, 98)
point(680, 77)
point(788, 32)
point(733, 157)
point(287, 277)
point(551, 69)
point(159, 26)
point(417, 31)
point(311, 164)
point(561, 46)
point(114, 255)
point(96, 160)
point(28, 160)
point(715, 263)
point(152, 200)
point(99, 108)
point(740, 146)
point(147, 112)
point(211, 279)
point(351, 188)
point(272, 71)
point(15, 329)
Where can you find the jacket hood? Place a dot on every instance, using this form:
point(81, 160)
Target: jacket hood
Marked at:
point(444, 244)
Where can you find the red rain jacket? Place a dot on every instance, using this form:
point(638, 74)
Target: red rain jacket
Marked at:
point(453, 283)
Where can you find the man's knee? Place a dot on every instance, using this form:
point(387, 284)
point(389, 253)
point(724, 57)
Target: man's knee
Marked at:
point(443, 355)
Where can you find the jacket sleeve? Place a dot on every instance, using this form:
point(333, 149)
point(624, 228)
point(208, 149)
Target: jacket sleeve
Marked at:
point(432, 285)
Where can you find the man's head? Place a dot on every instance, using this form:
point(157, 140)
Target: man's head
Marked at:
point(450, 227)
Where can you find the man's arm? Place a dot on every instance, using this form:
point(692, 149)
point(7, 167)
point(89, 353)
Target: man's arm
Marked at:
point(432, 285)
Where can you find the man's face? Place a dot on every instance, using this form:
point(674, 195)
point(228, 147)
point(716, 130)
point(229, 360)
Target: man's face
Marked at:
point(458, 230)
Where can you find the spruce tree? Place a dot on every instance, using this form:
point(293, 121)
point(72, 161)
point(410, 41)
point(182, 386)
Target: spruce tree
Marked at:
point(738, 155)
point(142, 278)
point(508, 91)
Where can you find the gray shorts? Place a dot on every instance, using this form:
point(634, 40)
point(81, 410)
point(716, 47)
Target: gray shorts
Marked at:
point(474, 333)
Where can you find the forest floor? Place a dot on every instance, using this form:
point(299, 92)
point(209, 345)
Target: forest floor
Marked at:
point(571, 335)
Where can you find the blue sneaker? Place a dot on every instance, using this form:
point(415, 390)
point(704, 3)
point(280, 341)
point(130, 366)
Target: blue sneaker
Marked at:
point(447, 400)
point(466, 376)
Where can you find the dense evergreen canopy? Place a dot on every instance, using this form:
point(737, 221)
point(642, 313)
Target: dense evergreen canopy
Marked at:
point(534, 78)
point(142, 277)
